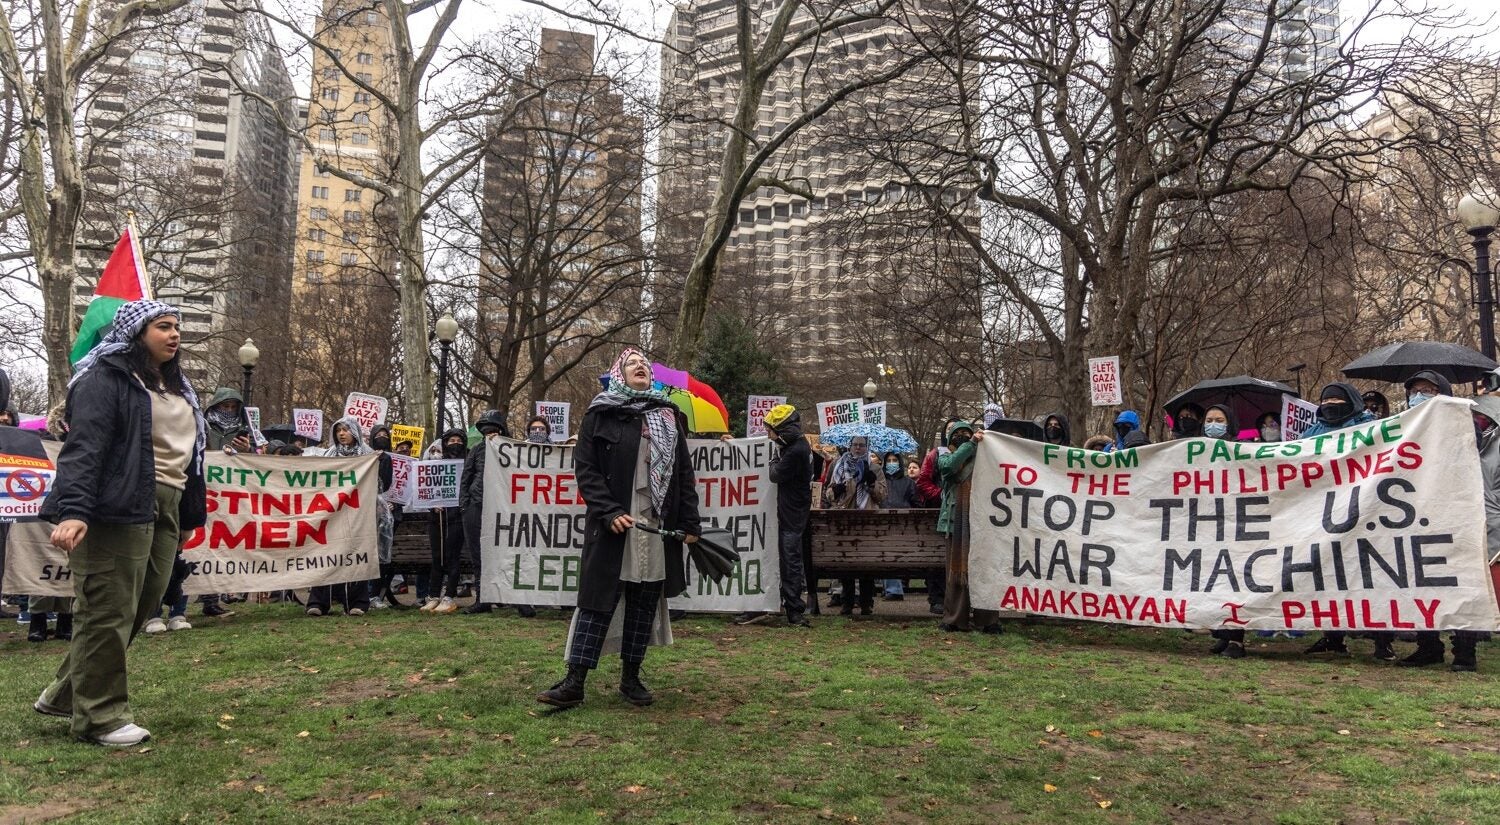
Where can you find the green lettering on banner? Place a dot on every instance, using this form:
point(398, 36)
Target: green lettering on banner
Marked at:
point(516, 575)
point(542, 573)
point(572, 569)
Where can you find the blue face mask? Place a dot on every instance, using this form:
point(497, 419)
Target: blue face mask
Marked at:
point(1414, 400)
point(892, 468)
point(1215, 429)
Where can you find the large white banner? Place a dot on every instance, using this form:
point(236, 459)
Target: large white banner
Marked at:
point(534, 524)
point(274, 523)
point(1376, 527)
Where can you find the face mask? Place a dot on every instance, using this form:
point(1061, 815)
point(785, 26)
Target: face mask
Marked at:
point(1270, 433)
point(1215, 429)
point(453, 451)
point(1054, 433)
point(1333, 413)
point(892, 468)
point(381, 442)
point(1191, 427)
point(1122, 429)
point(1414, 400)
point(537, 436)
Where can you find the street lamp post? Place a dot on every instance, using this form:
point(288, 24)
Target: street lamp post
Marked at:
point(1296, 369)
point(1479, 216)
point(249, 357)
point(447, 331)
point(870, 390)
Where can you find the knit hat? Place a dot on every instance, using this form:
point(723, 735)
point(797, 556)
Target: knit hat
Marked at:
point(779, 414)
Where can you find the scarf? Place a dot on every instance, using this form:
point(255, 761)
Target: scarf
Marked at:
point(222, 420)
point(359, 447)
point(130, 319)
point(658, 424)
point(851, 470)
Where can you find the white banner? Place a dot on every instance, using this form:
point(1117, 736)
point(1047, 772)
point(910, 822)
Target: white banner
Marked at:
point(557, 414)
point(833, 413)
point(1296, 416)
point(368, 410)
point(1104, 381)
point(1376, 527)
point(873, 413)
point(308, 424)
point(755, 413)
point(534, 525)
point(274, 523)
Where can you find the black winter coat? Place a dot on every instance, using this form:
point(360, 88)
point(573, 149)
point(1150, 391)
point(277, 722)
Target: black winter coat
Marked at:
point(609, 442)
point(106, 473)
point(792, 473)
point(471, 484)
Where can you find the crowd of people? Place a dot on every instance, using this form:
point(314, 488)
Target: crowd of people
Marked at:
point(130, 484)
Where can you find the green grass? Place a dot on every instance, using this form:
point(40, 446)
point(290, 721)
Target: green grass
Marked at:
point(402, 717)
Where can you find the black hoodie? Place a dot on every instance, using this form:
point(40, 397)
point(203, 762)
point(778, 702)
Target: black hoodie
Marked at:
point(1232, 433)
point(792, 474)
point(1062, 421)
point(1445, 387)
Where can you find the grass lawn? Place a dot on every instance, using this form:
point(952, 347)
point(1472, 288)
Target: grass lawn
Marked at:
point(402, 717)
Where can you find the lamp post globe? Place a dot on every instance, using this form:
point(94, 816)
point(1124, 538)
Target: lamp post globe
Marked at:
point(1478, 213)
point(249, 357)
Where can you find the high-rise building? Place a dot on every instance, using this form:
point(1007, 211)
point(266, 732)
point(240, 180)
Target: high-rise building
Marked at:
point(208, 172)
point(562, 265)
point(1304, 42)
point(855, 223)
point(344, 259)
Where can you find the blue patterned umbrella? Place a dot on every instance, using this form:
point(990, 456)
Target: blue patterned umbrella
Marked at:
point(882, 439)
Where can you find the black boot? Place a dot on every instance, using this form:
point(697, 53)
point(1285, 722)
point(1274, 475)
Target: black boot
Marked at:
point(526, 611)
point(477, 608)
point(1464, 659)
point(38, 631)
point(1219, 646)
point(1429, 651)
point(64, 627)
point(569, 692)
point(631, 687)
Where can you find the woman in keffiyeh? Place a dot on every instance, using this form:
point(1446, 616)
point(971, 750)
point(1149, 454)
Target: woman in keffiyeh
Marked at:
point(632, 466)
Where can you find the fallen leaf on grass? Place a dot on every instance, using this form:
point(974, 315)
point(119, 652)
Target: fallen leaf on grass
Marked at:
point(1049, 788)
point(222, 726)
point(1343, 732)
point(235, 784)
point(376, 795)
point(226, 718)
point(260, 788)
point(303, 734)
point(1051, 728)
point(633, 788)
point(1441, 725)
point(1105, 803)
point(1096, 733)
point(144, 750)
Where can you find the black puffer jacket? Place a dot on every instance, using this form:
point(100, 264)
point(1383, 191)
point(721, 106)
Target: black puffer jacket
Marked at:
point(106, 473)
point(792, 473)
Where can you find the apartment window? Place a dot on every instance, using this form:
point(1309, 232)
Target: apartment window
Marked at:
point(364, 59)
point(364, 77)
point(325, 134)
point(320, 192)
point(320, 172)
point(315, 256)
point(371, 18)
point(351, 238)
point(317, 213)
point(361, 97)
point(361, 139)
point(316, 234)
point(353, 216)
point(327, 115)
point(330, 93)
point(362, 118)
point(352, 195)
point(330, 72)
point(348, 259)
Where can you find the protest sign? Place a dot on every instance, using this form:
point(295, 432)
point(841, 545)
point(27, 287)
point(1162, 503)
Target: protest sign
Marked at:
point(403, 480)
point(1104, 381)
point(437, 483)
point(873, 413)
point(274, 523)
point(834, 413)
point(252, 414)
point(556, 413)
point(535, 523)
point(368, 410)
point(27, 468)
point(402, 433)
point(755, 413)
point(308, 424)
point(1296, 416)
point(1375, 527)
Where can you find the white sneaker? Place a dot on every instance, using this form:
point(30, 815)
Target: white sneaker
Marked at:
point(155, 625)
point(125, 737)
point(313, 611)
point(447, 605)
point(355, 611)
point(178, 623)
point(378, 603)
point(430, 606)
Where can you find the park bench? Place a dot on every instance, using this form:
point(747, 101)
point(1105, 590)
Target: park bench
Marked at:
point(886, 544)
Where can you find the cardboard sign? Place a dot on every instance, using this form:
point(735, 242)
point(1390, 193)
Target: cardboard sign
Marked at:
point(308, 424)
point(403, 480)
point(755, 413)
point(437, 483)
point(833, 413)
point(556, 413)
point(401, 433)
point(256, 437)
point(873, 413)
point(1378, 526)
point(368, 410)
point(1296, 416)
point(534, 524)
point(1104, 381)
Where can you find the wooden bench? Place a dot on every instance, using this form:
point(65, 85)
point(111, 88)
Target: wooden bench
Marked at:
point(411, 552)
point(889, 544)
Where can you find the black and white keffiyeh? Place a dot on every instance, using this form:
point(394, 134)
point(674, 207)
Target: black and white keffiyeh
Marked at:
point(658, 424)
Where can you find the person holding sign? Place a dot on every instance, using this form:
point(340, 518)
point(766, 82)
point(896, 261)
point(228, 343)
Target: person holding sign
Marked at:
point(445, 536)
point(538, 430)
point(129, 487)
point(355, 596)
point(491, 426)
point(632, 465)
point(792, 475)
point(956, 469)
point(856, 483)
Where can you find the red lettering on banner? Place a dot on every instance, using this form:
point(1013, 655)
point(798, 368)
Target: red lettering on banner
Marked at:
point(1428, 610)
point(1089, 605)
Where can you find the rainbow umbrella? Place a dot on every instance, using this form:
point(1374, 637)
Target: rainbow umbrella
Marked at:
point(705, 411)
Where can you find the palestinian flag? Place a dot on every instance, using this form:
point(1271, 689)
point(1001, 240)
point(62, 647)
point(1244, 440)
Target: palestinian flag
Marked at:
point(123, 280)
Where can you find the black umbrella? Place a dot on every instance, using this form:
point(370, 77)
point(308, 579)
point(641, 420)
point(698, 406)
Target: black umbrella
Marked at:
point(1400, 361)
point(713, 553)
point(1018, 427)
point(280, 432)
point(1249, 398)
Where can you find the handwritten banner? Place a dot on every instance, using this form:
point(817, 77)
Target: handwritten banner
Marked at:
point(368, 410)
point(556, 413)
point(308, 424)
point(535, 522)
point(1296, 416)
point(834, 413)
point(1376, 527)
point(755, 413)
point(403, 433)
point(1104, 381)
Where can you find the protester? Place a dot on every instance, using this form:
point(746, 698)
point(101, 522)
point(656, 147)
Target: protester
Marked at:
point(1137, 438)
point(1055, 430)
point(930, 488)
point(631, 465)
point(1219, 423)
point(130, 410)
point(354, 596)
point(445, 536)
point(900, 494)
point(856, 483)
point(385, 522)
point(1268, 428)
point(491, 426)
point(1376, 404)
point(791, 472)
point(1097, 443)
point(1187, 422)
point(1127, 422)
point(1340, 406)
point(538, 430)
point(956, 468)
